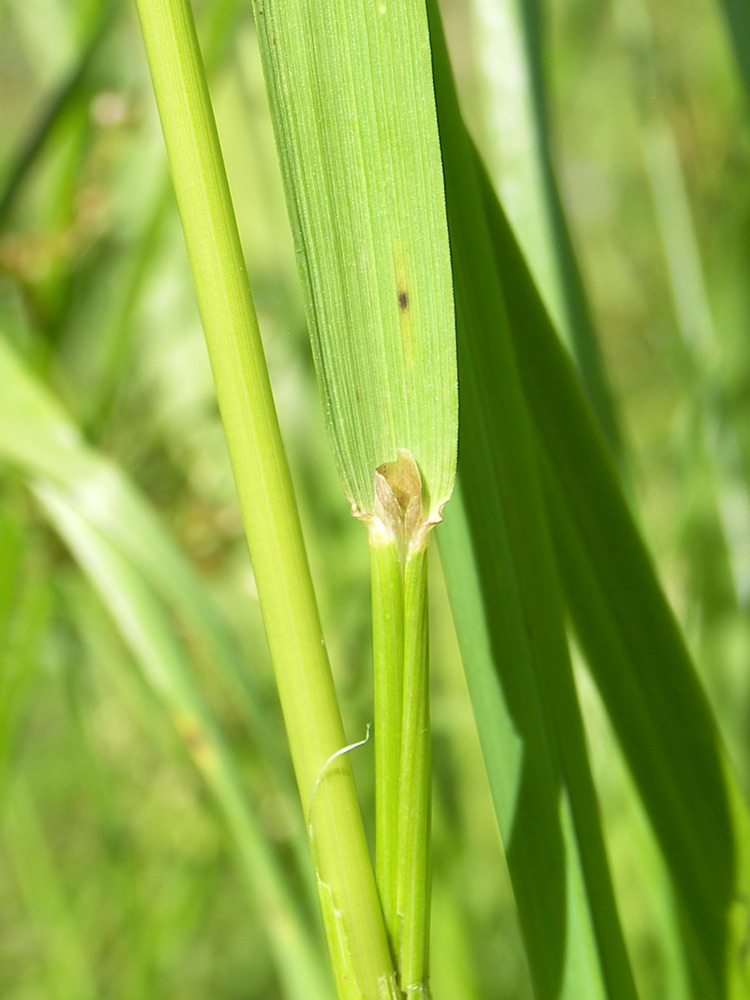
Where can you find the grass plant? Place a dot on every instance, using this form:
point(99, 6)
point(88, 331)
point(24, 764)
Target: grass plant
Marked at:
point(152, 842)
point(380, 311)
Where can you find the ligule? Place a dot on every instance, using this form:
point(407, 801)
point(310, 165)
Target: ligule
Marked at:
point(398, 510)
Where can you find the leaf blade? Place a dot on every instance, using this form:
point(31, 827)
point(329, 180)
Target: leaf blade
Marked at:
point(632, 643)
point(355, 125)
point(504, 549)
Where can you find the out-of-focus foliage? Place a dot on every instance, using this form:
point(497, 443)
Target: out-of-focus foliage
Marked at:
point(118, 875)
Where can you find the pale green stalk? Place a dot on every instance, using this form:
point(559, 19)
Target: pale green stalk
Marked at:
point(357, 939)
point(402, 752)
point(398, 546)
point(413, 874)
point(388, 672)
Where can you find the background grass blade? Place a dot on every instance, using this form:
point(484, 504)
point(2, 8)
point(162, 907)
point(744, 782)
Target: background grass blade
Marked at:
point(116, 326)
point(509, 139)
point(142, 623)
point(49, 447)
point(505, 543)
point(70, 973)
point(535, 825)
point(717, 452)
point(511, 36)
point(28, 154)
point(738, 23)
point(632, 643)
point(126, 584)
point(23, 618)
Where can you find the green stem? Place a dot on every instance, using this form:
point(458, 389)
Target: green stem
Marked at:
point(354, 922)
point(402, 752)
point(398, 545)
point(413, 865)
point(388, 653)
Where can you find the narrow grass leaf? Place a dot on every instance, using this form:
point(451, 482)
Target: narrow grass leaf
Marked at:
point(523, 122)
point(147, 630)
point(70, 87)
point(118, 541)
point(738, 22)
point(723, 484)
point(509, 139)
point(512, 632)
point(39, 437)
point(24, 616)
point(633, 647)
point(72, 971)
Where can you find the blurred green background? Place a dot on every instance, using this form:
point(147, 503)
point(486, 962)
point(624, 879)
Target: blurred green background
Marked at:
point(118, 875)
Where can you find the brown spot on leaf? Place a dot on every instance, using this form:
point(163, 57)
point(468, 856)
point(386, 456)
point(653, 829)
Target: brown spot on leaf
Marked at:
point(403, 300)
